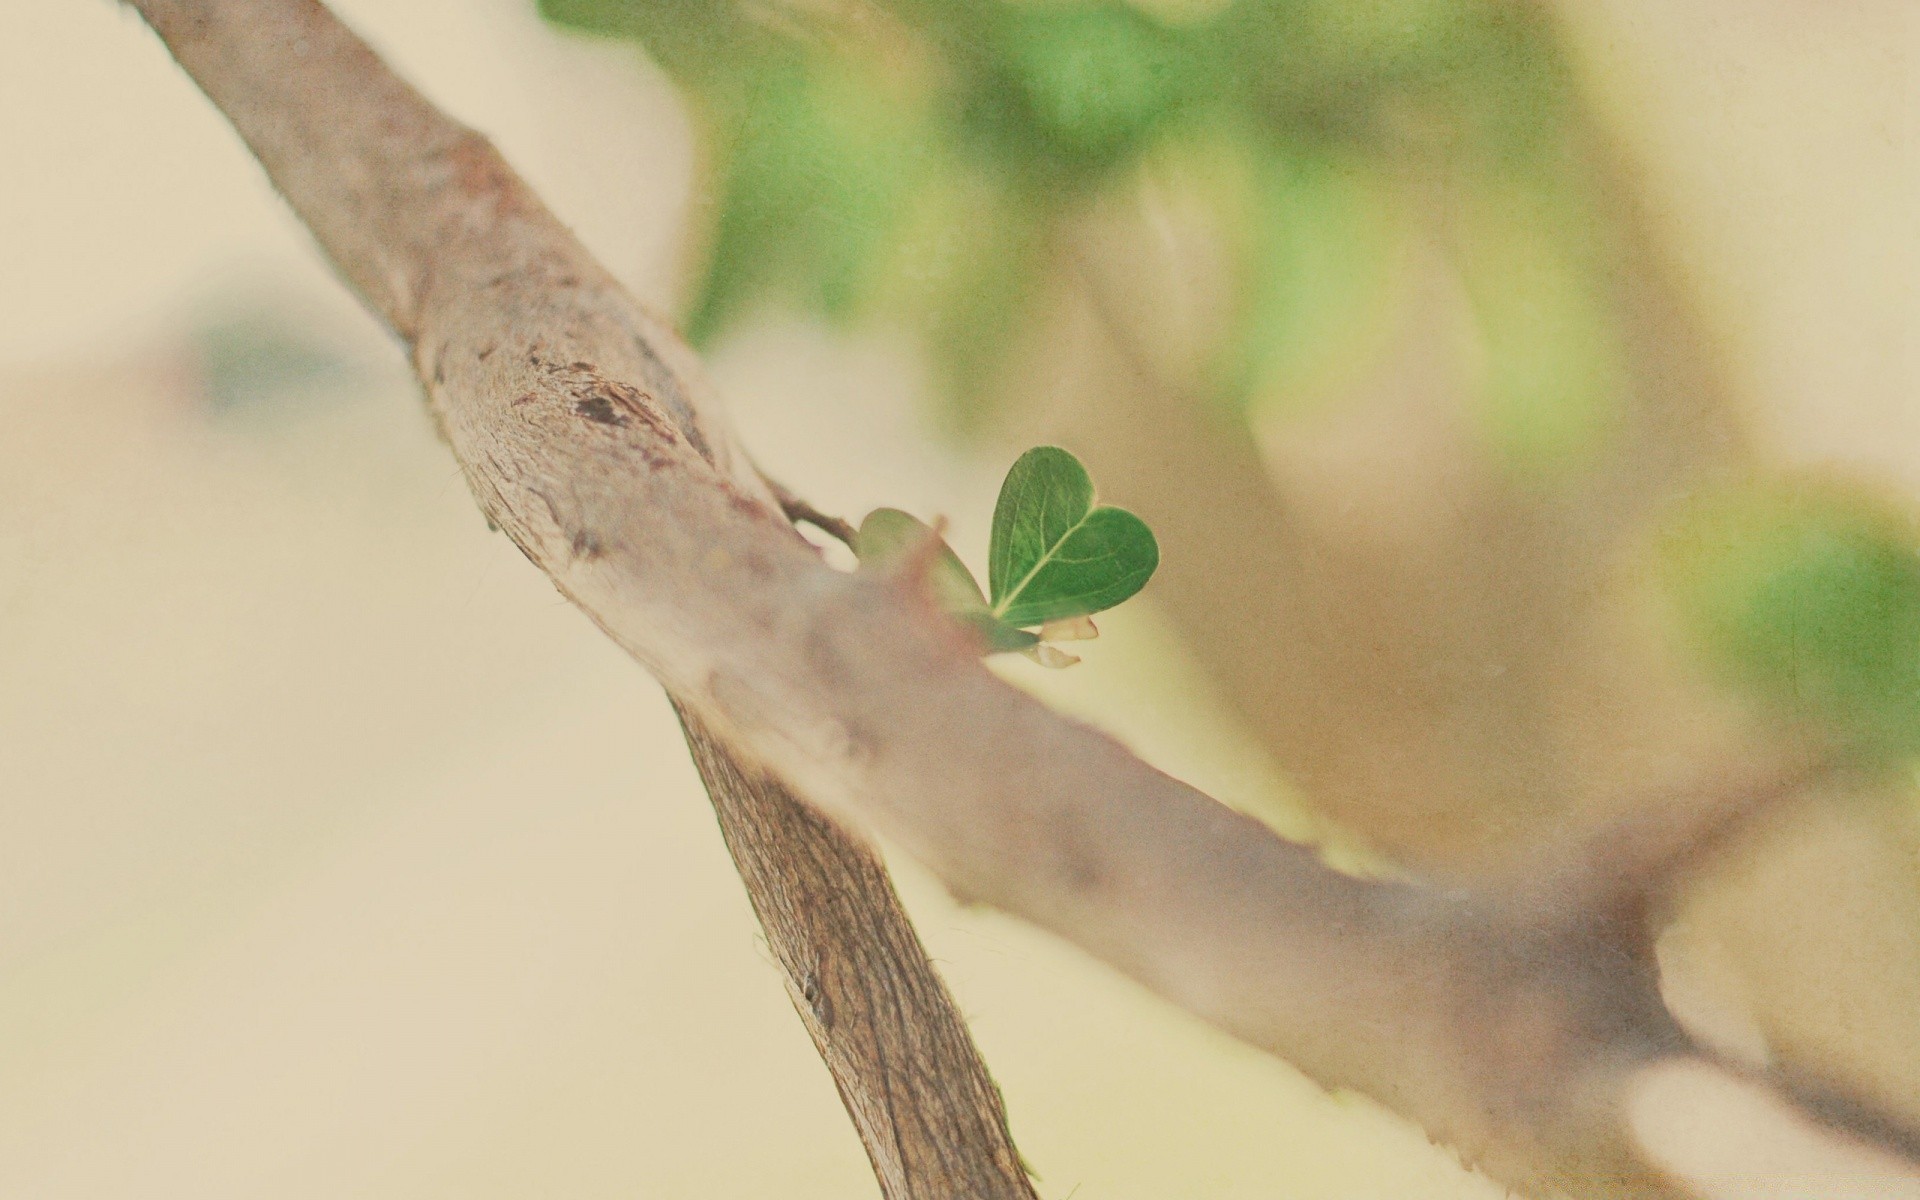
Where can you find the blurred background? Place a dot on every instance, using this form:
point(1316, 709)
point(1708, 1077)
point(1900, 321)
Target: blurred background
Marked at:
point(1527, 401)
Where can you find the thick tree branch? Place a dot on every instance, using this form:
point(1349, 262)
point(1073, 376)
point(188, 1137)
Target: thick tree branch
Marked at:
point(588, 436)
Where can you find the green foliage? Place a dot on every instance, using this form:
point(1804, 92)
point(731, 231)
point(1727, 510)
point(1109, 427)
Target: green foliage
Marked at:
point(891, 536)
point(709, 45)
point(1054, 555)
point(1320, 246)
point(1555, 361)
point(914, 161)
point(961, 270)
point(1810, 596)
point(817, 168)
point(1073, 89)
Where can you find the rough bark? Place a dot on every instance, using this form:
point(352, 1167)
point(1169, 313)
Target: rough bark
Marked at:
point(929, 1115)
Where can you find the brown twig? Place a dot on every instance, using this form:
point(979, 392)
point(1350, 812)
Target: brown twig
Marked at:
point(797, 510)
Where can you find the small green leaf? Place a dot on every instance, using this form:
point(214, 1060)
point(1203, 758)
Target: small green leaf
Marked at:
point(889, 537)
point(1054, 554)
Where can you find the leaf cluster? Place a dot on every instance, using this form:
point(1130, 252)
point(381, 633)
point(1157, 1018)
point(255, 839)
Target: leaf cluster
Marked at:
point(1056, 557)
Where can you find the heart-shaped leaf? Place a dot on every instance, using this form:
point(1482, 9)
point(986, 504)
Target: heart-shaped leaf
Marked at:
point(1054, 554)
point(889, 537)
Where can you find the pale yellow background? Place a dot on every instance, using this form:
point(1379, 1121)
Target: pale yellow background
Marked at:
point(339, 858)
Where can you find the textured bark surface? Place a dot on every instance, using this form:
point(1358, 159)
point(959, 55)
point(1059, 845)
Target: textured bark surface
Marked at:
point(588, 435)
point(930, 1117)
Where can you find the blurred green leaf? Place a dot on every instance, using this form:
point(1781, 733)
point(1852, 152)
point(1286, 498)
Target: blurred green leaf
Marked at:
point(1382, 33)
point(1321, 248)
point(1810, 594)
point(1074, 88)
point(962, 270)
point(1053, 554)
point(699, 42)
point(1498, 88)
point(1291, 56)
point(817, 163)
point(1554, 364)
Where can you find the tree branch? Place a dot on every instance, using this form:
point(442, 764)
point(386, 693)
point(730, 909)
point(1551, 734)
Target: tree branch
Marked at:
point(589, 436)
point(928, 1113)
